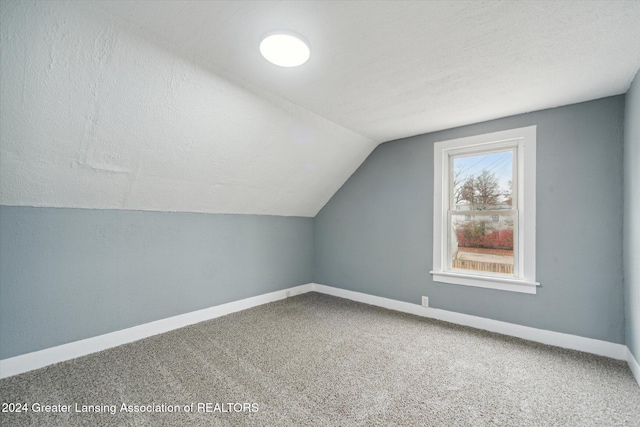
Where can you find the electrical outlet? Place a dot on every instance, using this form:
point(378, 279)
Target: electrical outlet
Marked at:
point(425, 301)
point(288, 294)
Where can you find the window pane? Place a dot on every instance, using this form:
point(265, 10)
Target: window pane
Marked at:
point(482, 244)
point(482, 181)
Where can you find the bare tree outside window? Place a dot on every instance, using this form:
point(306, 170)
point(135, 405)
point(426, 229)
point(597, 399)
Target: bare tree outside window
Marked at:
point(484, 210)
point(484, 242)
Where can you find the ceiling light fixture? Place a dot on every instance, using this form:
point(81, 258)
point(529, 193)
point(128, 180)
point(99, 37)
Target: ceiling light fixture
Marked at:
point(285, 49)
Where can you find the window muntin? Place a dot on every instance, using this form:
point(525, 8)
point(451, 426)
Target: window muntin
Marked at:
point(484, 234)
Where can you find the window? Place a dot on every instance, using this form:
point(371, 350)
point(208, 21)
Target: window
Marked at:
point(484, 211)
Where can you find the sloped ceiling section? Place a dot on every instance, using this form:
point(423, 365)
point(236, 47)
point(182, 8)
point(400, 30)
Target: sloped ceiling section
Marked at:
point(93, 116)
point(168, 105)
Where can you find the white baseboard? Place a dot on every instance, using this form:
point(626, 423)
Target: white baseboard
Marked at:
point(558, 339)
point(633, 365)
point(38, 359)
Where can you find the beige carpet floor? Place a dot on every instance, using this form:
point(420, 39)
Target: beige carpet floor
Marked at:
point(325, 361)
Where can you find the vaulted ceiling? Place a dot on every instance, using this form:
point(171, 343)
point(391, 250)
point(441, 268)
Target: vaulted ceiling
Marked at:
point(169, 106)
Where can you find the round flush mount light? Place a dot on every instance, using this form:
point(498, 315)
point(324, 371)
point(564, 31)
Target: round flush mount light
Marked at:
point(285, 49)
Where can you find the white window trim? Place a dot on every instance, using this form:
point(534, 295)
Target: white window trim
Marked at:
point(526, 182)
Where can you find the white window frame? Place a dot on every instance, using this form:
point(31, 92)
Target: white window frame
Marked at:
point(523, 141)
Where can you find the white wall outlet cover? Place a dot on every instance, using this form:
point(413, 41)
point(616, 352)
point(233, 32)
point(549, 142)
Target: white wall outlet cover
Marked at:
point(425, 301)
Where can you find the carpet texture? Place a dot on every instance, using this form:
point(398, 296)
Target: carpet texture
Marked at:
point(319, 360)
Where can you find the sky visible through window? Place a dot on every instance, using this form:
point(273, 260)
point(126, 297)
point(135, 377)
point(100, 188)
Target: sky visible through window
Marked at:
point(500, 164)
point(483, 242)
point(487, 174)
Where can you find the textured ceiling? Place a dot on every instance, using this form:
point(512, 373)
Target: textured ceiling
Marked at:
point(169, 106)
point(389, 69)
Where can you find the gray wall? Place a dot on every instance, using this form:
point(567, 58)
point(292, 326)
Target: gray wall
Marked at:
point(69, 274)
point(375, 234)
point(632, 217)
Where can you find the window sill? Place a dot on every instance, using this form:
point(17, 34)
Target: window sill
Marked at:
point(512, 285)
